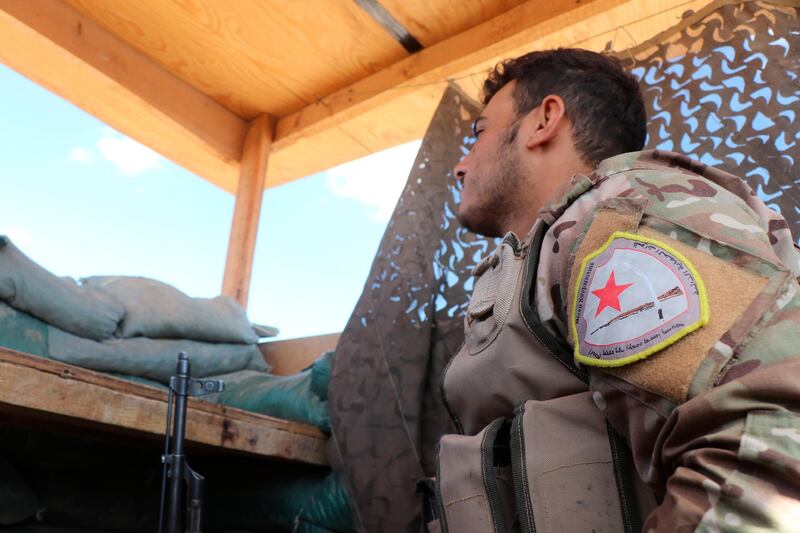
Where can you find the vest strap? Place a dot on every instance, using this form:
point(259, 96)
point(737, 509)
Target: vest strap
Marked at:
point(559, 349)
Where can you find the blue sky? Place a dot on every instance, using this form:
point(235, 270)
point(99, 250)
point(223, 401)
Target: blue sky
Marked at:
point(82, 199)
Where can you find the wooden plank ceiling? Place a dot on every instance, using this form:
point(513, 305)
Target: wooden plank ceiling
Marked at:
point(186, 77)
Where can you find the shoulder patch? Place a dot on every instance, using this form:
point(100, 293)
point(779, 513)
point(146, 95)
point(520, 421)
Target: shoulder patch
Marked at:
point(635, 296)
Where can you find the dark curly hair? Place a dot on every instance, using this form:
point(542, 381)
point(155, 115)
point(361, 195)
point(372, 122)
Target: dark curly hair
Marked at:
point(603, 102)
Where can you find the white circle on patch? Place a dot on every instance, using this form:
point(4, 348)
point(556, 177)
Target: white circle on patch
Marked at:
point(635, 296)
point(631, 281)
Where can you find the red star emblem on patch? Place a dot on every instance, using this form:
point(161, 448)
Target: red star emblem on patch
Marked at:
point(609, 295)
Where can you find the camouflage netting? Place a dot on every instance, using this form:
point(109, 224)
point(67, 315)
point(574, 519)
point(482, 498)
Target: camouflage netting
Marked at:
point(386, 409)
point(721, 87)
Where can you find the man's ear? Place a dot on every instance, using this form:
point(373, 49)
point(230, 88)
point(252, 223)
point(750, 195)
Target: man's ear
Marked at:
point(547, 119)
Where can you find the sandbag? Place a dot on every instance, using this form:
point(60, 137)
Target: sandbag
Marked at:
point(160, 311)
point(84, 311)
point(328, 509)
point(292, 498)
point(265, 503)
point(321, 374)
point(285, 397)
point(153, 358)
point(22, 332)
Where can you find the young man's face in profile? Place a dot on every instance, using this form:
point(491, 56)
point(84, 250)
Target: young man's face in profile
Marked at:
point(490, 173)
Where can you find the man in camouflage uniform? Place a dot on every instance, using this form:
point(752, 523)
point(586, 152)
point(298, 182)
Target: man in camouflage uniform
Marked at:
point(712, 424)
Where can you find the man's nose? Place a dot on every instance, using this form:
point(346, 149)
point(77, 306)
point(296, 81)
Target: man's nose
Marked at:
point(459, 171)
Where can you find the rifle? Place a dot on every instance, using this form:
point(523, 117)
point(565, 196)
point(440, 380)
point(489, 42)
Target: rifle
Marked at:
point(176, 469)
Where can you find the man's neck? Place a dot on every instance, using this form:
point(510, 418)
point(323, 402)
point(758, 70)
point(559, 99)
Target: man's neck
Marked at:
point(526, 214)
point(521, 225)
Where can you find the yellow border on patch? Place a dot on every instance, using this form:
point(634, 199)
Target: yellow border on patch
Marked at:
point(701, 289)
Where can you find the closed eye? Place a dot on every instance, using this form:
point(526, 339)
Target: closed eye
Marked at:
point(476, 131)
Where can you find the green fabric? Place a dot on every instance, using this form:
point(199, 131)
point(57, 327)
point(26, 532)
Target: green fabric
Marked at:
point(328, 508)
point(321, 374)
point(302, 526)
point(272, 502)
point(291, 498)
point(22, 332)
point(285, 397)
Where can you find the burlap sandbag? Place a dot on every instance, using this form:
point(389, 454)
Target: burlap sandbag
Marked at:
point(153, 358)
point(160, 311)
point(84, 311)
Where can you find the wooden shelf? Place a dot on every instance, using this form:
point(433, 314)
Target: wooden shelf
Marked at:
point(43, 387)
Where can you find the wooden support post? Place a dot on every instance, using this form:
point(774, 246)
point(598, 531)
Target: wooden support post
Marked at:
point(249, 193)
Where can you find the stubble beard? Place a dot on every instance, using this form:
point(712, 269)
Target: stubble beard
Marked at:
point(491, 217)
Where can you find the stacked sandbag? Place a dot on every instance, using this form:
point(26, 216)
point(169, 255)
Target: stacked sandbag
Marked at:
point(84, 311)
point(156, 310)
point(300, 397)
point(125, 325)
point(327, 509)
point(133, 328)
point(153, 359)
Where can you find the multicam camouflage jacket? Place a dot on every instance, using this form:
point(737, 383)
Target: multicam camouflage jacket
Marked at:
point(714, 429)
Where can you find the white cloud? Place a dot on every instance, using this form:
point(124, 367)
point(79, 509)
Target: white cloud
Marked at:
point(130, 157)
point(82, 155)
point(376, 180)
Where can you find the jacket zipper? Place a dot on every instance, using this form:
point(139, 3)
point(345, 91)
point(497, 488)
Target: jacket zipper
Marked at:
point(518, 468)
point(621, 458)
point(558, 350)
point(489, 479)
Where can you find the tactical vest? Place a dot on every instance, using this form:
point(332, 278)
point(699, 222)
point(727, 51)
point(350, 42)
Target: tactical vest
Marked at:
point(535, 453)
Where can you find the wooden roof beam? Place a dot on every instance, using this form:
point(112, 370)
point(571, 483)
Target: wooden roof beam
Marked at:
point(60, 49)
point(513, 29)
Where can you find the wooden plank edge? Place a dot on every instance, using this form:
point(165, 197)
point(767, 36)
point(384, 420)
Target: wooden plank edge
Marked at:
point(44, 385)
point(67, 371)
